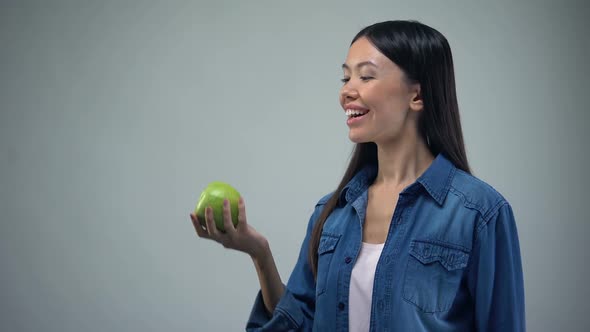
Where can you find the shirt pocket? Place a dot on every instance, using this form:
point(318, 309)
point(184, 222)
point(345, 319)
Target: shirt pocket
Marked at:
point(433, 274)
point(326, 250)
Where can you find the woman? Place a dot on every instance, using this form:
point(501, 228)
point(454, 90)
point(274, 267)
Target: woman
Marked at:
point(409, 240)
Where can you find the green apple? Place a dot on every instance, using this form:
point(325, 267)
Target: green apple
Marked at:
point(213, 196)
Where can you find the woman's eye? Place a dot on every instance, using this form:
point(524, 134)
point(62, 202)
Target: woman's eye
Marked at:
point(362, 78)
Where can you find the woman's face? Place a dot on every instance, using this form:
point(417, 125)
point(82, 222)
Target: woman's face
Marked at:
point(375, 87)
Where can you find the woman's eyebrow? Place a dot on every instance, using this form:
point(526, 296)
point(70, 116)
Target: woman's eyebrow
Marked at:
point(360, 64)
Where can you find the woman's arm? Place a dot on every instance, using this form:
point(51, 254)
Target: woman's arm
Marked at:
point(246, 239)
point(294, 308)
point(277, 307)
point(495, 275)
point(271, 286)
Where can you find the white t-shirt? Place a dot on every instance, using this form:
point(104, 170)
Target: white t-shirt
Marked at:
point(361, 287)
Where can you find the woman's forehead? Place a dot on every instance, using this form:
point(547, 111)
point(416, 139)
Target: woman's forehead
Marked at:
point(362, 53)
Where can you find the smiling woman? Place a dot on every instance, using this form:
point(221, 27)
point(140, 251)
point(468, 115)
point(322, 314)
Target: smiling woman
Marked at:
point(410, 240)
point(376, 87)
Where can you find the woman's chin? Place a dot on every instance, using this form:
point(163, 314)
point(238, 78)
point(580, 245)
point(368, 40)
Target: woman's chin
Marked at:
point(357, 139)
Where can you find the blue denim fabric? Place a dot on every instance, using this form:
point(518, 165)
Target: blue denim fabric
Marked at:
point(451, 261)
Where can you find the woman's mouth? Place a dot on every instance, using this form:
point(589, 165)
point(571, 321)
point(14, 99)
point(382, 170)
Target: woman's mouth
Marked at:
point(355, 116)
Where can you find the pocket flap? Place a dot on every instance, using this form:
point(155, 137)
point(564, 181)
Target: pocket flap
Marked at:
point(328, 243)
point(448, 255)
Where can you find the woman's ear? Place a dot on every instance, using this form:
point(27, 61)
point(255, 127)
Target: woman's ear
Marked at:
point(416, 103)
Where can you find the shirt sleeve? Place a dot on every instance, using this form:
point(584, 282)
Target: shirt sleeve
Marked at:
point(295, 310)
point(495, 277)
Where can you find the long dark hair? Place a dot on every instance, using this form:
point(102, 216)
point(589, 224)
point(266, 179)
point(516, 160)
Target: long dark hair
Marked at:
point(424, 55)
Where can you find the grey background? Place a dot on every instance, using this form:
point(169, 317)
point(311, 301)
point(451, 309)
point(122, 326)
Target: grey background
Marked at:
point(116, 114)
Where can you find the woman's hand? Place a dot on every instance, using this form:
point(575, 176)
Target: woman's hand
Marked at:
point(245, 238)
point(242, 237)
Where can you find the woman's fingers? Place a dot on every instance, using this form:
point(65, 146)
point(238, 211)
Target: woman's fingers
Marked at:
point(210, 232)
point(242, 223)
point(229, 238)
point(227, 222)
point(201, 232)
point(210, 221)
point(241, 237)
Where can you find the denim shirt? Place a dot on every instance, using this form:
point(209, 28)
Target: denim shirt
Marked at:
point(451, 261)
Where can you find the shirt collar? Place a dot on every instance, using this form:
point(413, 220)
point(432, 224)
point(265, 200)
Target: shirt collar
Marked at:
point(358, 184)
point(436, 180)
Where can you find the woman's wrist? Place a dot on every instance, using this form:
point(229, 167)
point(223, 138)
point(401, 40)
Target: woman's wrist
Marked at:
point(260, 252)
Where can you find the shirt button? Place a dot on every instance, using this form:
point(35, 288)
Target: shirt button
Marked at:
point(341, 306)
point(348, 260)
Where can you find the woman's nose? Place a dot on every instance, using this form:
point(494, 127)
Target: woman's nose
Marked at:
point(348, 93)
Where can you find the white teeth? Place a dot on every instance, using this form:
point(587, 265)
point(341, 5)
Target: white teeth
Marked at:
point(350, 112)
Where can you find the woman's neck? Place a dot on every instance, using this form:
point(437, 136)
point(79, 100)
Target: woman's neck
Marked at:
point(402, 162)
